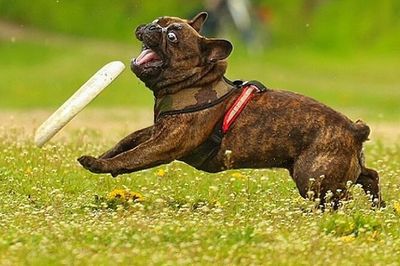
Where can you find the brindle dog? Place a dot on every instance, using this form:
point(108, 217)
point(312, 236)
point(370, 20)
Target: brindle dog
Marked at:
point(321, 148)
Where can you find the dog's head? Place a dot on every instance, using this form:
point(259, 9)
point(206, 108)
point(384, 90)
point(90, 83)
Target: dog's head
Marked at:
point(173, 50)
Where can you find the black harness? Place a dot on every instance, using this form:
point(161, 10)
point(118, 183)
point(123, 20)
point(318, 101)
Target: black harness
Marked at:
point(209, 148)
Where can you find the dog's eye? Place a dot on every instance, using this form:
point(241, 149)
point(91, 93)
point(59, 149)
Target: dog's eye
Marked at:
point(172, 37)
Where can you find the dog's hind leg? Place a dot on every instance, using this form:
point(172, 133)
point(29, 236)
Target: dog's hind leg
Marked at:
point(369, 179)
point(318, 173)
point(129, 142)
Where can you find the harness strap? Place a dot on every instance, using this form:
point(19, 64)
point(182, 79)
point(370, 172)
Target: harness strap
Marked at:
point(238, 106)
point(211, 146)
point(249, 88)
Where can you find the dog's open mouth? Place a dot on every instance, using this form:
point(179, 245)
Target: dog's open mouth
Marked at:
point(148, 58)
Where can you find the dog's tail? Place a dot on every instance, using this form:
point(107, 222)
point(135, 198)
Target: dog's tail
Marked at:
point(361, 130)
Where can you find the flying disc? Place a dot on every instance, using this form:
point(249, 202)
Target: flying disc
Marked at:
point(78, 101)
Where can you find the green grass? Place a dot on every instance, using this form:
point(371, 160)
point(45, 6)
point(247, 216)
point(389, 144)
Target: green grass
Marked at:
point(54, 212)
point(36, 74)
point(42, 70)
point(333, 25)
point(49, 213)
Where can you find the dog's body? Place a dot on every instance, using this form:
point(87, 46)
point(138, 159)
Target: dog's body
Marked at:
point(321, 148)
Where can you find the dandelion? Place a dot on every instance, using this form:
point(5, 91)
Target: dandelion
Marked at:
point(160, 172)
point(396, 207)
point(28, 171)
point(348, 238)
point(125, 195)
point(116, 194)
point(238, 175)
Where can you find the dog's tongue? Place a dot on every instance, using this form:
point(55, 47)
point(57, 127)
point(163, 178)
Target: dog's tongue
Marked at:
point(146, 56)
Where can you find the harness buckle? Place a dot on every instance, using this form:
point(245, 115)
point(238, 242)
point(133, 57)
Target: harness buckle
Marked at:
point(216, 136)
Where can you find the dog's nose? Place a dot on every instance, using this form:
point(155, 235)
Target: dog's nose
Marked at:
point(132, 64)
point(154, 28)
point(139, 32)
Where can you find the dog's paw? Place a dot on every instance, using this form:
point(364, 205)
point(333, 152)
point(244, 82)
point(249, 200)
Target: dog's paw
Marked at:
point(86, 161)
point(92, 164)
point(115, 174)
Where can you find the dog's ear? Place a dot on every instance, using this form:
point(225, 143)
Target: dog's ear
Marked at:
point(198, 21)
point(214, 50)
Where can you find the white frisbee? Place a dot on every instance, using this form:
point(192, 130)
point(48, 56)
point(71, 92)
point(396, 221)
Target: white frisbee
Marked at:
point(79, 100)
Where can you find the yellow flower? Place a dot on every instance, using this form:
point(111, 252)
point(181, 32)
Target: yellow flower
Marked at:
point(238, 175)
point(125, 195)
point(136, 196)
point(28, 171)
point(160, 172)
point(348, 238)
point(396, 207)
point(116, 194)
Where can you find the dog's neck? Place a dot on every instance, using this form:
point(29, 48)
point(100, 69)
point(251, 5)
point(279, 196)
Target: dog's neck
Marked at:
point(196, 77)
point(199, 91)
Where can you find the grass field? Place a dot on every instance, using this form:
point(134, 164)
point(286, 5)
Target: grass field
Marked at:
point(54, 212)
point(40, 69)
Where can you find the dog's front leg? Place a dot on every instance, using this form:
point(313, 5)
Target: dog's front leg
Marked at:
point(166, 144)
point(129, 142)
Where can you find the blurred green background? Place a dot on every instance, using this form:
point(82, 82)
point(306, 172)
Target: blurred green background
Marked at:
point(345, 53)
